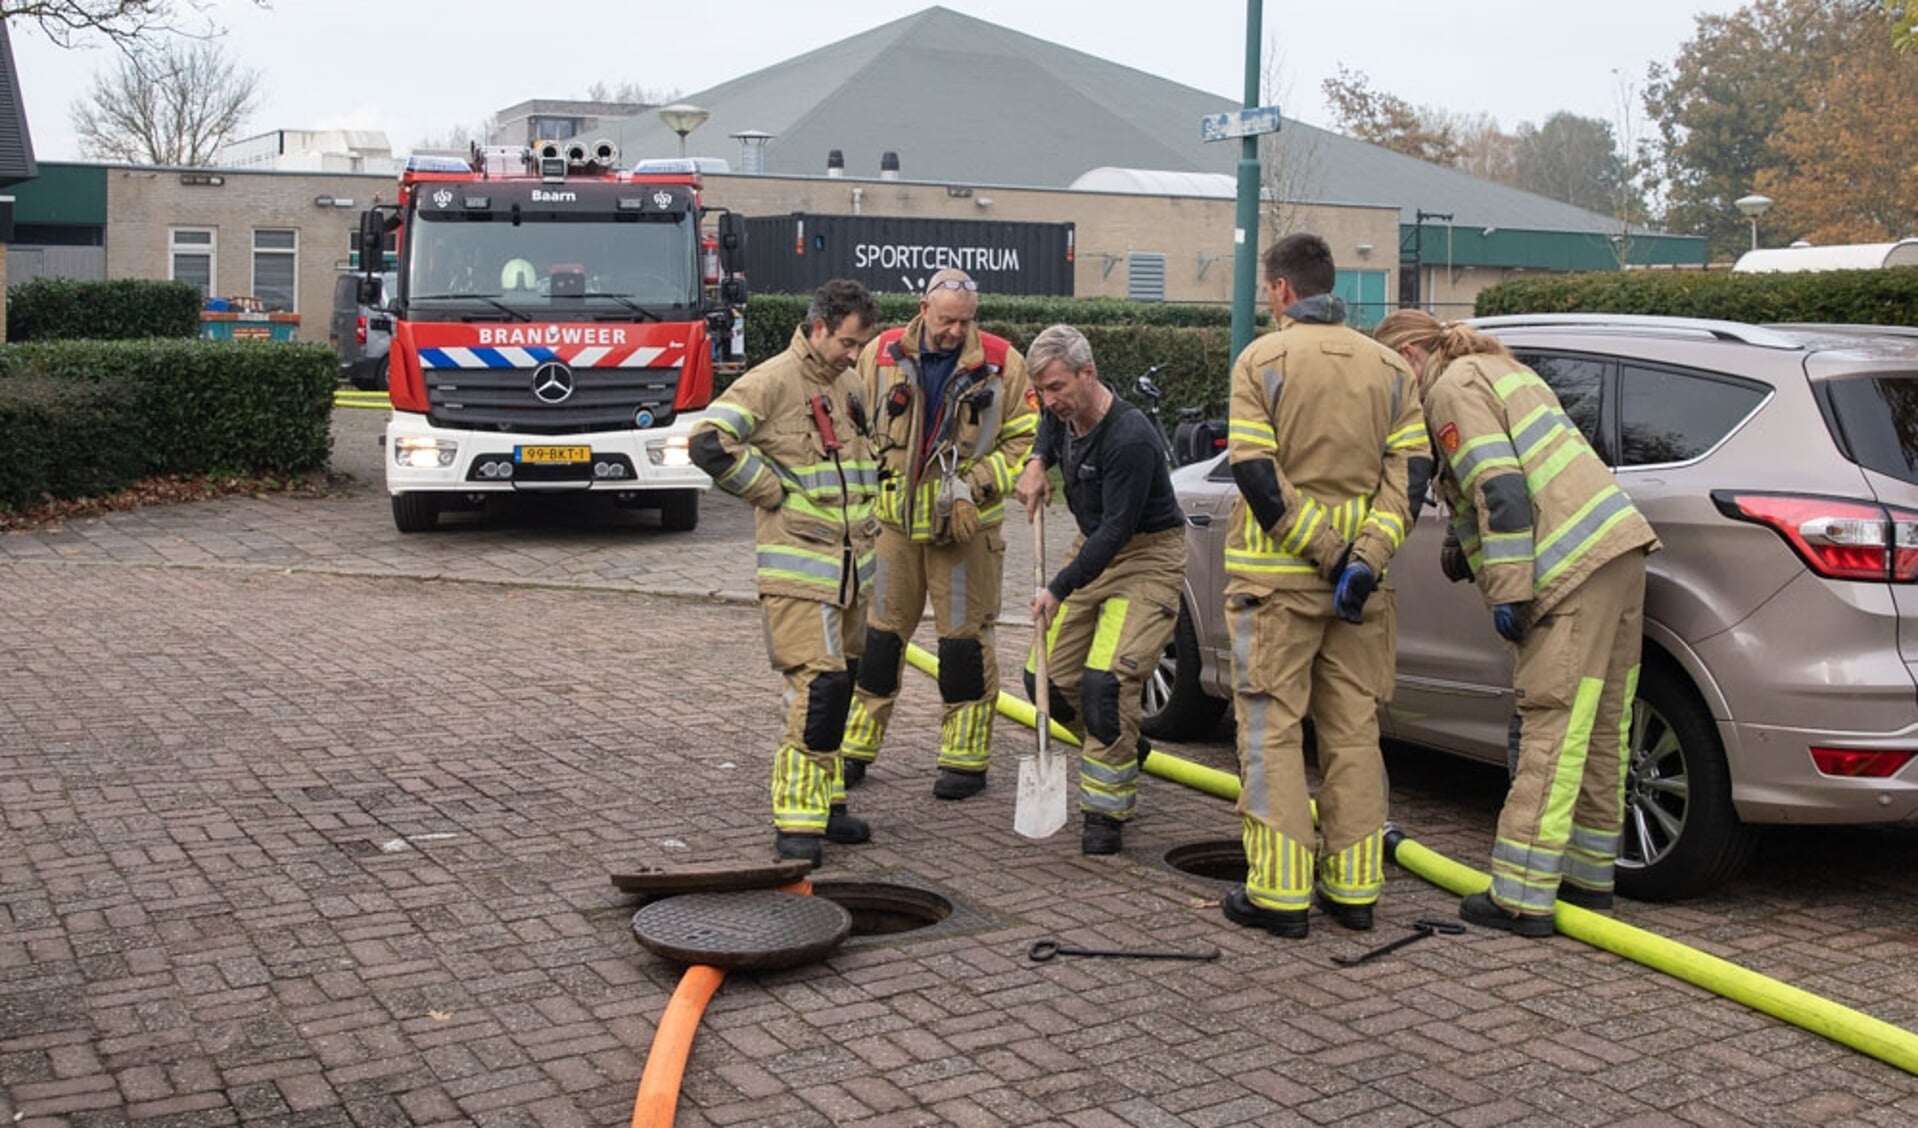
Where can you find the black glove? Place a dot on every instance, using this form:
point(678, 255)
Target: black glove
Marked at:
point(1508, 619)
point(1452, 560)
point(1356, 584)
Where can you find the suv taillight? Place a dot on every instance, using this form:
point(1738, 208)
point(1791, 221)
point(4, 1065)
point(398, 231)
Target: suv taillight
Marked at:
point(1839, 539)
point(1859, 763)
point(359, 330)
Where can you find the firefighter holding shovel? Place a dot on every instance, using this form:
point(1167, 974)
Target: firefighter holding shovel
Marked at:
point(1109, 612)
point(790, 437)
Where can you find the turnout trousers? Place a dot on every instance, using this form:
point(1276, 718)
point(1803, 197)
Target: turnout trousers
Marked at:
point(815, 646)
point(1102, 645)
point(963, 581)
point(1575, 678)
point(1291, 655)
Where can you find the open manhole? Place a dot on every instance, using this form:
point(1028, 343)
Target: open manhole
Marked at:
point(883, 908)
point(1218, 859)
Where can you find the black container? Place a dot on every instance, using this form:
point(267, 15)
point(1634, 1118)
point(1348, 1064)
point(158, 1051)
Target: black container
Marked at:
point(793, 254)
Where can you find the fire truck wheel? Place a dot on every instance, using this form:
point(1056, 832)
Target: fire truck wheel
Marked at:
point(416, 512)
point(380, 376)
point(679, 511)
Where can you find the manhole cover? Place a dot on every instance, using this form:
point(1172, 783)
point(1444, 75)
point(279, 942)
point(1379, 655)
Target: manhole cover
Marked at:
point(881, 908)
point(761, 928)
point(711, 877)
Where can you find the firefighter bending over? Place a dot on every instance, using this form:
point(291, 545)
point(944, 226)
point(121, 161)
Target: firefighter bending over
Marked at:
point(791, 437)
point(1559, 554)
point(1110, 611)
point(1329, 452)
point(954, 420)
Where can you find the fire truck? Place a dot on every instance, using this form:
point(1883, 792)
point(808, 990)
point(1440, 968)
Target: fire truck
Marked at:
point(553, 327)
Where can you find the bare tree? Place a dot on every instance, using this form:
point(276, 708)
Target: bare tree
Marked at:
point(460, 138)
point(126, 24)
point(174, 104)
point(632, 93)
point(1291, 173)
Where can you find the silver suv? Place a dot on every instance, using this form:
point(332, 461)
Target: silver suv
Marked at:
point(1780, 680)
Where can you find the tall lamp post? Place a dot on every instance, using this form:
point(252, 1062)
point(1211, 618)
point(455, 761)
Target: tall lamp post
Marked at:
point(1753, 207)
point(682, 118)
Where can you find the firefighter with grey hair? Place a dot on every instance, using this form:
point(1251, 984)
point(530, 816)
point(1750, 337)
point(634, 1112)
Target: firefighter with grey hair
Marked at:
point(790, 437)
point(1109, 612)
point(953, 419)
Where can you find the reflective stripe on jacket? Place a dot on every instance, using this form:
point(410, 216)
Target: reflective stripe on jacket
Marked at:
point(1533, 506)
point(1337, 416)
point(813, 510)
point(993, 419)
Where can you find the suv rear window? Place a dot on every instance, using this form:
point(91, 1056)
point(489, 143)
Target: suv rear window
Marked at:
point(1666, 415)
point(1877, 417)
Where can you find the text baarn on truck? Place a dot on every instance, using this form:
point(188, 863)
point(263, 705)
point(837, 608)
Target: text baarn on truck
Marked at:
point(553, 327)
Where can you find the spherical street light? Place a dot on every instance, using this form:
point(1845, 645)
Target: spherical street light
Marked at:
point(682, 118)
point(1753, 207)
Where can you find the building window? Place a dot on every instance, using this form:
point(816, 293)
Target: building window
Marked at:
point(276, 262)
point(1145, 277)
point(190, 257)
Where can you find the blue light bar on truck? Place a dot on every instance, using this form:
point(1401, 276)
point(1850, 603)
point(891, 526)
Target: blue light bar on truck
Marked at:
point(436, 162)
point(666, 166)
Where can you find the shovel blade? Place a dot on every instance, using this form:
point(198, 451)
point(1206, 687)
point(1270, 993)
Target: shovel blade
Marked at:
point(1040, 809)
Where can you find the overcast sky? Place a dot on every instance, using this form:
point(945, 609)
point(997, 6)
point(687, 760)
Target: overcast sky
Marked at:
point(417, 70)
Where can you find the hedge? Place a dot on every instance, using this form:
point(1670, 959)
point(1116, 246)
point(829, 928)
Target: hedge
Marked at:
point(1859, 297)
point(142, 408)
point(62, 309)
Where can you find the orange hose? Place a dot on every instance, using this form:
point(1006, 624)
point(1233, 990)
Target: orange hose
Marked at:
point(657, 1101)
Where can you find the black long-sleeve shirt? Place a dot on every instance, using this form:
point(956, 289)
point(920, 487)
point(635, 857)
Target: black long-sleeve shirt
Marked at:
point(1117, 485)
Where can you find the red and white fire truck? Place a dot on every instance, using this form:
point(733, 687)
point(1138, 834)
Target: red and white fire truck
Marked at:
point(552, 327)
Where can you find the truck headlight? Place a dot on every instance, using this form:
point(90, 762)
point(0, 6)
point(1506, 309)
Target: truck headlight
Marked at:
point(422, 452)
point(668, 452)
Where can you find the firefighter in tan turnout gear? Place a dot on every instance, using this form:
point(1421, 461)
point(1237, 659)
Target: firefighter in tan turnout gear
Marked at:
point(1110, 611)
point(790, 437)
point(1329, 452)
point(953, 421)
point(1559, 551)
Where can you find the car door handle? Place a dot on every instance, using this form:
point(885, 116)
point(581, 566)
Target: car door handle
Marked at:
point(1198, 520)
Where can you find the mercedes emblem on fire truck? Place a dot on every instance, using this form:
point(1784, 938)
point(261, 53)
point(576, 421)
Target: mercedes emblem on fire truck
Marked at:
point(552, 382)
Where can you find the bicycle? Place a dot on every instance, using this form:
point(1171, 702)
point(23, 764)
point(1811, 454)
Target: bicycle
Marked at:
point(1193, 438)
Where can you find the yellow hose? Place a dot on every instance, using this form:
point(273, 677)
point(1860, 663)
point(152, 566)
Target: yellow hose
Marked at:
point(1890, 1044)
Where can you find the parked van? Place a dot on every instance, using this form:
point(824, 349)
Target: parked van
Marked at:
point(361, 334)
point(1838, 256)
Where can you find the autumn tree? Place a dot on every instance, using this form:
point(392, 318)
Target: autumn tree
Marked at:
point(1570, 158)
point(1388, 120)
point(1716, 108)
point(1845, 172)
point(173, 104)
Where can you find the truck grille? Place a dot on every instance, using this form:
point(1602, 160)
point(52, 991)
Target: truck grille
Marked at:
point(502, 399)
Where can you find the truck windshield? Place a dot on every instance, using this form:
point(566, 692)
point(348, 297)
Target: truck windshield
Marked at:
point(581, 262)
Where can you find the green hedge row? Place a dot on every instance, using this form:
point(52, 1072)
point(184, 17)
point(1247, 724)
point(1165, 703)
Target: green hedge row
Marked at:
point(79, 418)
point(1859, 297)
point(62, 309)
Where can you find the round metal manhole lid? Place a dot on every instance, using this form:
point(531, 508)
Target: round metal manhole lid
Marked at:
point(710, 877)
point(759, 928)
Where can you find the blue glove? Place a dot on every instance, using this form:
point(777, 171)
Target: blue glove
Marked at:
point(1508, 619)
point(1356, 584)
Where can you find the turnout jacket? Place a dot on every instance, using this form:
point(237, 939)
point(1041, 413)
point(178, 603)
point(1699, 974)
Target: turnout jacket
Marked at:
point(1329, 451)
point(983, 426)
point(1533, 506)
point(813, 521)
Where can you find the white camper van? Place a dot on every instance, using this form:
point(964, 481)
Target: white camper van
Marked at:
point(1846, 256)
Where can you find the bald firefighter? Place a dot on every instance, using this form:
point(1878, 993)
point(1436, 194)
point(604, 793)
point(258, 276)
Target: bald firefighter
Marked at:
point(1328, 449)
point(953, 421)
point(1558, 551)
point(1110, 611)
point(790, 437)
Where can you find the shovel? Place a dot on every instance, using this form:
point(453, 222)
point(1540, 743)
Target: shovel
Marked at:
point(1040, 809)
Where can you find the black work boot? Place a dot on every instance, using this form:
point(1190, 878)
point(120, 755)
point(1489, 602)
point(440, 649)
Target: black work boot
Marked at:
point(1481, 910)
point(1101, 835)
point(843, 829)
point(852, 772)
point(1358, 918)
point(1597, 900)
point(801, 847)
point(1239, 909)
point(955, 784)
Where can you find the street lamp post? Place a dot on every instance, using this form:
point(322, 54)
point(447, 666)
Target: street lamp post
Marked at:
point(1753, 207)
point(1419, 216)
point(682, 118)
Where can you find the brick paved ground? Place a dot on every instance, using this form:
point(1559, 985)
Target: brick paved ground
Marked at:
point(307, 823)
